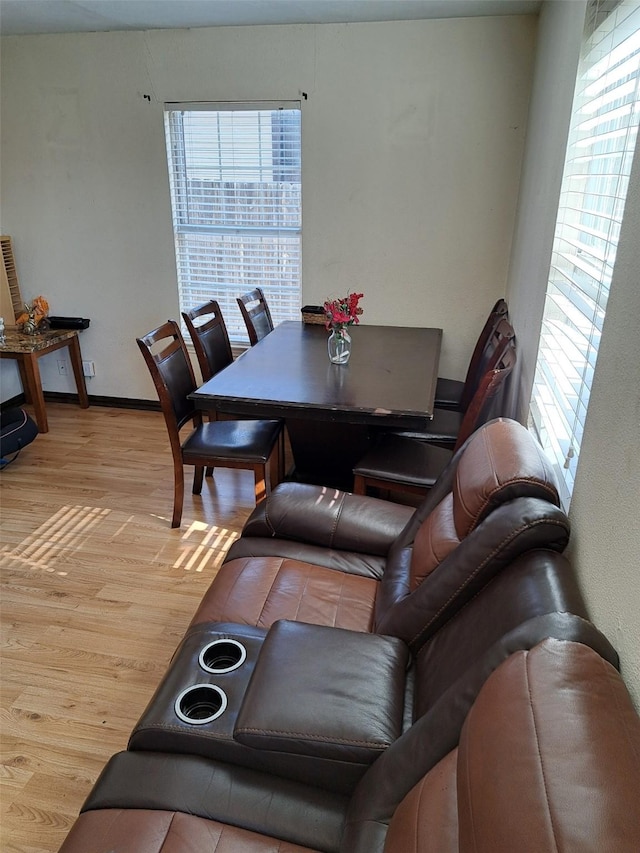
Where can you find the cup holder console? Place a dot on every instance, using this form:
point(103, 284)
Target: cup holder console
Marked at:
point(196, 704)
point(222, 655)
point(200, 704)
point(221, 698)
point(203, 703)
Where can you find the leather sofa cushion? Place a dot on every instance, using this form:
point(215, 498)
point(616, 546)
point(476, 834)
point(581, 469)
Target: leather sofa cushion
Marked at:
point(426, 821)
point(329, 518)
point(152, 831)
point(349, 689)
point(260, 590)
point(557, 767)
point(548, 759)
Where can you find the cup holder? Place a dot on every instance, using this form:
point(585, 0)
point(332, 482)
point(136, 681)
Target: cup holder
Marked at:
point(200, 704)
point(222, 656)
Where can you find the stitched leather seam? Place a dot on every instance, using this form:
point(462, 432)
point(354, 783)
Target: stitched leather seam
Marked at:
point(539, 751)
point(337, 519)
point(463, 756)
point(219, 839)
point(314, 737)
point(512, 482)
point(268, 520)
point(268, 595)
point(169, 727)
point(489, 557)
point(302, 595)
point(168, 833)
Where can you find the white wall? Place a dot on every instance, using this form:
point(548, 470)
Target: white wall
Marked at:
point(605, 508)
point(412, 144)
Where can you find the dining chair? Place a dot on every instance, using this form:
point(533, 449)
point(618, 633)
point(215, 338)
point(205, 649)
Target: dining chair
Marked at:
point(401, 463)
point(245, 444)
point(445, 425)
point(257, 317)
point(212, 346)
point(456, 394)
point(209, 337)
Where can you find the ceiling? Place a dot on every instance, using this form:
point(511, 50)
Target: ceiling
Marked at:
point(28, 17)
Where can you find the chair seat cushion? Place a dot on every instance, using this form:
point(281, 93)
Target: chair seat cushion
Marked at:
point(154, 831)
point(442, 428)
point(260, 590)
point(448, 393)
point(403, 460)
point(247, 441)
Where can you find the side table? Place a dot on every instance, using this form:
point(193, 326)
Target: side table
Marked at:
point(27, 349)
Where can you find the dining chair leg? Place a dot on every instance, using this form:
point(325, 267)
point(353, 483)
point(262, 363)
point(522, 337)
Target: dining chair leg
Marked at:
point(178, 493)
point(359, 485)
point(274, 464)
point(198, 476)
point(260, 477)
point(281, 455)
point(213, 416)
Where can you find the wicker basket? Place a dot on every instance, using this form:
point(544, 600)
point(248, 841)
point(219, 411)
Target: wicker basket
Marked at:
point(313, 314)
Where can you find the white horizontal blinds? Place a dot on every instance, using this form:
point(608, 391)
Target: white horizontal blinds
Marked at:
point(600, 149)
point(236, 194)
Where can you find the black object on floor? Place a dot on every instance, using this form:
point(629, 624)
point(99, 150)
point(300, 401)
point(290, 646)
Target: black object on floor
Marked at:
point(17, 430)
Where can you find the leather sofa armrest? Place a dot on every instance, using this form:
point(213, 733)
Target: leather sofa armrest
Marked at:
point(512, 529)
point(325, 692)
point(319, 515)
point(258, 801)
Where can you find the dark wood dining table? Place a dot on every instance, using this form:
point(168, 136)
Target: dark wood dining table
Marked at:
point(332, 411)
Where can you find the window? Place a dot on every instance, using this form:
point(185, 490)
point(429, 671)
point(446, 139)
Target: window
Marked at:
point(600, 149)
point(234, 174)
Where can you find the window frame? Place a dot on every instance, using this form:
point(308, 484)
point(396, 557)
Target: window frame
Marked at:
point(586, 235)
point(269, 255)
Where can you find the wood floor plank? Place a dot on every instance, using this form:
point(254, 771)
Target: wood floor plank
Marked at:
point(97, 591)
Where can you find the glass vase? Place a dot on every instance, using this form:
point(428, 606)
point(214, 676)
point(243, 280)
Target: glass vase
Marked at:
point(339, 345)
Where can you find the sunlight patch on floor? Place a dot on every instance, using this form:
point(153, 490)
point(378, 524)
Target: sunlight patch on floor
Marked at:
point(207, 553)
point(58, 537)
point(67, 532)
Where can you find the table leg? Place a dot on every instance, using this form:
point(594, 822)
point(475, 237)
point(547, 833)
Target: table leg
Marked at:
point(24, 380)
point(76, 364)
point(33, 390)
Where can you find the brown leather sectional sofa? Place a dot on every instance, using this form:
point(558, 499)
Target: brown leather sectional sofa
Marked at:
point(365, 678)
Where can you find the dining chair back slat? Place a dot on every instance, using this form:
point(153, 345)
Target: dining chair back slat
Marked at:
point(256, 315)
point(209, 337)
point(455, 394)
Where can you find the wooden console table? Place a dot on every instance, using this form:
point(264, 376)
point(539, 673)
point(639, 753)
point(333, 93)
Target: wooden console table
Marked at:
point(27, 349)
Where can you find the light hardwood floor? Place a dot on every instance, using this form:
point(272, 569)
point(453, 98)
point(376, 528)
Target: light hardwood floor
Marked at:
point(97, 591)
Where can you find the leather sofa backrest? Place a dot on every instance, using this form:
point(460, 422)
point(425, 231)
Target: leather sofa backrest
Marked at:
point(500, 463)
point(497, 499)
point(548, 760)
point(537, 597)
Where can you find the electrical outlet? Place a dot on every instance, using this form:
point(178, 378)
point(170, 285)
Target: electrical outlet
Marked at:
point(62, 367)
point(88, 368)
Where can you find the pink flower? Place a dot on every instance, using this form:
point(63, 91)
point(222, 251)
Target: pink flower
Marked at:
point(343, 312)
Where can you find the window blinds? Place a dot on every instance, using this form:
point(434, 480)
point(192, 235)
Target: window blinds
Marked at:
point(234, 173)
point(600, 149)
